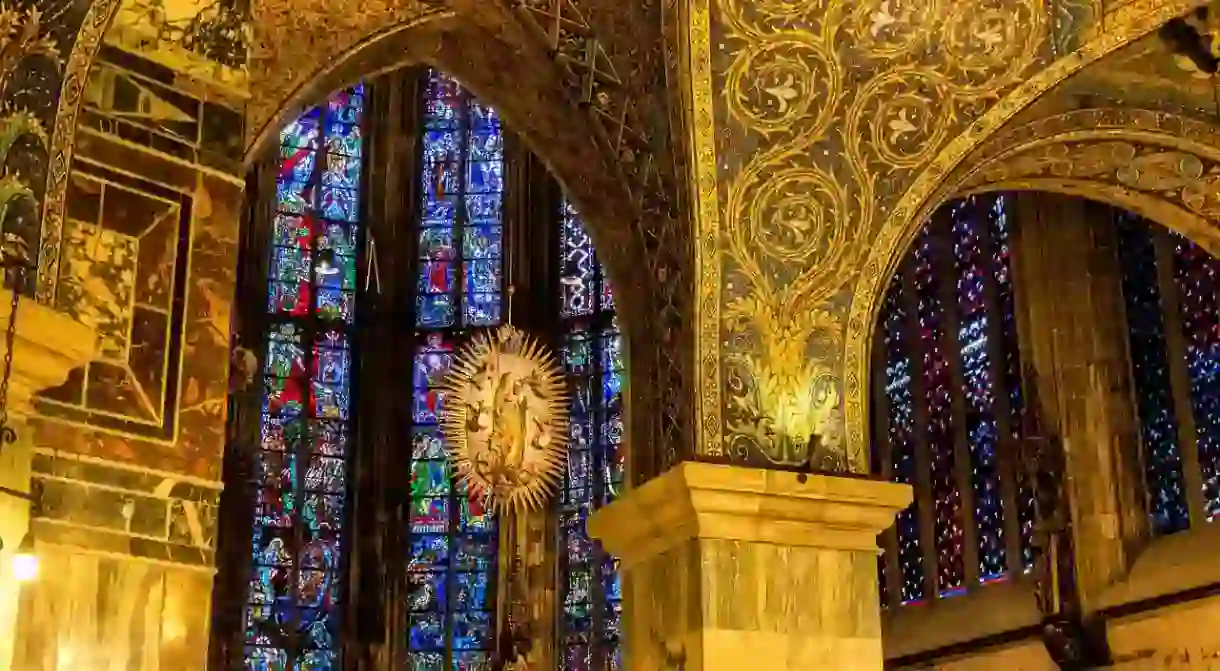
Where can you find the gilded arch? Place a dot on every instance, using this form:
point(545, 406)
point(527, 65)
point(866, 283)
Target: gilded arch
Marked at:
point(1163, 166)
point(1123, 26)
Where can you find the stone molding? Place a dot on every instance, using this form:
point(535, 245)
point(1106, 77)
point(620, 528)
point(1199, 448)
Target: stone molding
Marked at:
point(712, 501)
point(47, 346)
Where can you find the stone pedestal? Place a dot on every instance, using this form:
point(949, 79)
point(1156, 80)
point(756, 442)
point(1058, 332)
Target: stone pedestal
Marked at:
point(728, 568)
point(48, 344)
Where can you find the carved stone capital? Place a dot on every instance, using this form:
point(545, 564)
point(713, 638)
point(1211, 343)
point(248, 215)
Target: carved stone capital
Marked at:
point(47, 345)
point(710, 501)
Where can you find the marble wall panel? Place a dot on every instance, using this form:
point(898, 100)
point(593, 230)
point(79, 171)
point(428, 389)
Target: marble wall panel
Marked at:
point(108, 612)
point(149, 257)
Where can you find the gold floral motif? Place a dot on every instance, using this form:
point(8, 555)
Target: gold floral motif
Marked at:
point(893, 232)
point(888, 29)
point(851, 99)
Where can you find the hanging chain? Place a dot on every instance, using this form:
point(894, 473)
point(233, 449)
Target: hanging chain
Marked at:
point(16, 264)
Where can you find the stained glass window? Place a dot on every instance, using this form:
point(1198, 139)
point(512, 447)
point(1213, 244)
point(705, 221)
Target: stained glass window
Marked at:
point(461, 231)
point(900, 427)
point(1195, 273)
point(978, 389)
point(452, 536)
point(1172, 297)
point(590, 589)
point(1150, 370)
point(294, 597)
point(948, 400)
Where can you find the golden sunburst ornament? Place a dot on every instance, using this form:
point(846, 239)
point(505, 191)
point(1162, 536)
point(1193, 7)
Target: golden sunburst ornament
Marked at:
point(505, 418)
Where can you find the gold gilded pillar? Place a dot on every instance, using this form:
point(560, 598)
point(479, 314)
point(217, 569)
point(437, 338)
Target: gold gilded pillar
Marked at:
point(1074, 334)
point(46, 346)
point(728, 568)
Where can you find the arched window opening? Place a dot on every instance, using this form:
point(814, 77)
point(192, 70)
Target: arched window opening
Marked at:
point(300, 485)
point(324, 511)
point(947, 401)
point(590, 588)
point(947, 410)
point(1173, 301)
point(452, 536)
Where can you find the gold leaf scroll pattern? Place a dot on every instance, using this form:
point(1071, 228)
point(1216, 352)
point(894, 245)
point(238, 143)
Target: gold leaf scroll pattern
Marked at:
point(1191, 181)
point(796, 229)
point(784, 213)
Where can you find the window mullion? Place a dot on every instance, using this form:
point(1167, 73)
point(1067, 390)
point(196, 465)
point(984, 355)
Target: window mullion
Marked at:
point(1179, 376)
point(1006, 446)
point(923, 461)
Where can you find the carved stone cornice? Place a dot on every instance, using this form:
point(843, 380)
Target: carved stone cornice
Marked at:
point(47, 345)
point(710, 501)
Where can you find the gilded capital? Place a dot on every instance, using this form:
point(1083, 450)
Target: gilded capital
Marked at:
point(710, 501)
point(47, 345)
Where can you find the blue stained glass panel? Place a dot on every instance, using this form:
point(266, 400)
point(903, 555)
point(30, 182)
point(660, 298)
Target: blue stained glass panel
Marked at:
point(343, 138)
point(462, 154)
point(295, 197)
point(483, 242)
point(340, 204)
point(591, 353)
point(303, 133)
point(1163, 468)
point(294, 599)
point(458, 283)
point(971, 268)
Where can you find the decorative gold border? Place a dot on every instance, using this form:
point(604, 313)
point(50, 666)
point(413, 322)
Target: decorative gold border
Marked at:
point(700, 115)
point(1130, 22)
point(76, 75)
point(1199, 229)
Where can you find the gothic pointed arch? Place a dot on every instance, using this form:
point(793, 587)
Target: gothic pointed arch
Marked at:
point(398, 219)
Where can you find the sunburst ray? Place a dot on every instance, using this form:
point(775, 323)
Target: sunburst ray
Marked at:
point(505, 419)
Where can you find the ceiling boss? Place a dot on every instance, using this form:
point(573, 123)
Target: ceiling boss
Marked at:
point(505, 418)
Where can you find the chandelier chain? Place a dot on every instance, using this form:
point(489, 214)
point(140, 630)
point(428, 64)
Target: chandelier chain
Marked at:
point(7, 434)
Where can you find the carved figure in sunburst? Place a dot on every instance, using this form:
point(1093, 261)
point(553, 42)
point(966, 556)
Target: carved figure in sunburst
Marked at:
point(506, 420)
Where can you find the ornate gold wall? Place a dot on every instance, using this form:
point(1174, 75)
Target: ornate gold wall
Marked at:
point(139, 243)
point(770, 161)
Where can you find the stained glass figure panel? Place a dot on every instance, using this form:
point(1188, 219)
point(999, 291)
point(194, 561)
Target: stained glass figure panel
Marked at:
point(461, 233)
point(295, 597)
point(452, 537)
point(590, 587)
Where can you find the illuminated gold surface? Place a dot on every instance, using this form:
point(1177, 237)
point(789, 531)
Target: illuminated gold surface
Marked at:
point(867, 145)
point(506, 419)
point(47, 345)
point(734, 568)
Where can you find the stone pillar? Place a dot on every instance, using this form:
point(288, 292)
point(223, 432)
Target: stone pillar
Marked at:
point(47, 345)
point(1073, 331)
point(728, 568)
point(128, 448)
